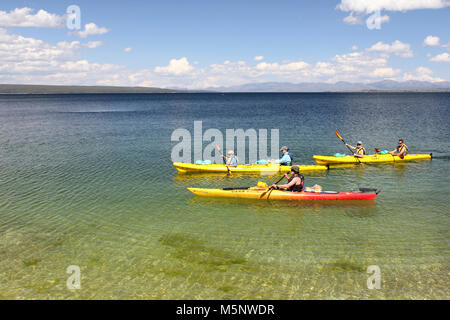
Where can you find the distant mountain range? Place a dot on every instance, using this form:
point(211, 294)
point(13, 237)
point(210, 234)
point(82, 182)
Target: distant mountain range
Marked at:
point(342, 86)
point(385, 85)
point(48, 89)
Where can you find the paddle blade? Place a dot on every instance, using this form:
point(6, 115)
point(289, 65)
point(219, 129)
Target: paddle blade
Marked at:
point(338, 135)
point(264, 193)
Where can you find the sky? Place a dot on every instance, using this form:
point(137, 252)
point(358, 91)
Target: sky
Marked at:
point(200, 44)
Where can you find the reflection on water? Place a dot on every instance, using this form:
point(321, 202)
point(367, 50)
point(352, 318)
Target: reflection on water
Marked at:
point(279, 204)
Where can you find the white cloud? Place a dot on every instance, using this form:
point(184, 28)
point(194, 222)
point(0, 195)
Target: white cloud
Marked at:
point(176, 67)
point(128, 49)
point(360, 59)
point(370, 6)
point(421, 74)
point(323, 69)
point(443, 57)
point(91, 29)
point(351, 19)
point(258, 58)
point(397, 47)
point(431, 41)
point(384, 72)
point(377, 20)
point(355, 47)
point(374, 8)
point(92, 44)
point(29, 60)
point(279, 68)
point(424, 70)
point(294, 66)
point(24, 17)
point(268, 66)
point(18, 49)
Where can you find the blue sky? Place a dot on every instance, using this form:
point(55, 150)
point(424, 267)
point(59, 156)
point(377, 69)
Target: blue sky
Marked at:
point(198, 44)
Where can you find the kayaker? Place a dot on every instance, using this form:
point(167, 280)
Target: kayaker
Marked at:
point(230, 159)
point(401, 149)
point(295, 182)
point(286, 159)
point(360, 151)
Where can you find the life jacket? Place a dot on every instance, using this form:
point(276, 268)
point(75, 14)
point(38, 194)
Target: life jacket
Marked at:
point(399, 148)
point(297, 187)
point(359, 149)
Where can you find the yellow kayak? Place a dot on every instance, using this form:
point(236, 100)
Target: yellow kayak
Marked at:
point(271, 168)
point(379, 158)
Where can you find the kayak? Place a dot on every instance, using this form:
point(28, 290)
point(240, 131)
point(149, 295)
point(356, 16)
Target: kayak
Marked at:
point(265, 193)
point(379, 158)
point(272, 168)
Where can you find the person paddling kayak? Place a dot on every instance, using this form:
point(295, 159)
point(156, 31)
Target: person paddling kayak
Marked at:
point(401, 149)
point(295, 182)
point(230, 159)
point(286, 159)
point(360, 151)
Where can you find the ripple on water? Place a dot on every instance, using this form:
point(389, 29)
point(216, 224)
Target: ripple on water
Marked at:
point(97, 190)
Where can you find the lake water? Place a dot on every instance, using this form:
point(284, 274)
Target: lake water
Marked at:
point(87, 180)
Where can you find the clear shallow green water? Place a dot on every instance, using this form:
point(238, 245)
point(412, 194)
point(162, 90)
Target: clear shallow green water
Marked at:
point(87, 180)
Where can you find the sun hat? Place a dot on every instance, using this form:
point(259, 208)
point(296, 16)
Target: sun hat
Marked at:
point(296, 169)
point(284, 148)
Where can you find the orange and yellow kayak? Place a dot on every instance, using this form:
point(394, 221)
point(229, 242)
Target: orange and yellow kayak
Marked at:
point(265, 193)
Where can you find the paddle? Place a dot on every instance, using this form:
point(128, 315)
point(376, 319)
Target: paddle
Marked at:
point(342, 139)
point(228, 168)
point(393, 158)
point(401, 156)
point(270, 188)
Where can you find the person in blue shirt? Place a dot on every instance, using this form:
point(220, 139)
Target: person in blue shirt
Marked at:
point(230, 159)
point(286, 159)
